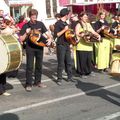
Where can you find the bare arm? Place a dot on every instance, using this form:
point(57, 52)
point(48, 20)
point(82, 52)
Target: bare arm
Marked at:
point(79, 31)
point(23, 37)
point(93, 31)
point(49, 37)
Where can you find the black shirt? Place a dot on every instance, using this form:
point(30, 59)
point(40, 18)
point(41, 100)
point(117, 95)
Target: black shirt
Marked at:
point(99, 24)
point(60, 25)
point(38, 25)
point(115, 24)
point(73, 24)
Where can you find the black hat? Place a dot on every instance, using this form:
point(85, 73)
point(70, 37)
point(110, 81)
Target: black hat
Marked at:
point(64, 12)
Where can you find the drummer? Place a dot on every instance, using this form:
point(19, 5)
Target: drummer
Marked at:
point(3, 85)
point(3, 78)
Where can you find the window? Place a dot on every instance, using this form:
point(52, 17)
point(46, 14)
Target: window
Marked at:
point(48, 8)
point(73, 1)
point(54, 2)
point(51, 8)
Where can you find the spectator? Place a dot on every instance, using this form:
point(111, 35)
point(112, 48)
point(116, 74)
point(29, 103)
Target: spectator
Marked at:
point(21, 22)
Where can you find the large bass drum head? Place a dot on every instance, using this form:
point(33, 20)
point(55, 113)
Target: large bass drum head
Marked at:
point(3, 57)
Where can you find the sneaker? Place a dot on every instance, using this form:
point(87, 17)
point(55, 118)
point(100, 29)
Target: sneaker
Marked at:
point(40, 85)
point(6, 94)
point(59, 82)
point(1, 93)
point(84, 76)
point(92, 74)
point(28, 88)
point(71, 80)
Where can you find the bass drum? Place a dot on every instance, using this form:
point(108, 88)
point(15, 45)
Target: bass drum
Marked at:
point(115, 65)
point(10, 53)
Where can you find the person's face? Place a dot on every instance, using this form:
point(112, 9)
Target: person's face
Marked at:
point(33, 18)
point(73, 17)
point(1, 12)
point(84, 18)
point(119, 18)
point(67, 17)
point(58, 18)
point(102, 16)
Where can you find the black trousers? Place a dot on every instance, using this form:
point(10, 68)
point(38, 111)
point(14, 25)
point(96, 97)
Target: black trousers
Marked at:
point(64, 60)
point(34, 59)
point(84, 59)
point(2, 82)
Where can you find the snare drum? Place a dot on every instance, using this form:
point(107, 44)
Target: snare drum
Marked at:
point(10, 53)
point(115, 65)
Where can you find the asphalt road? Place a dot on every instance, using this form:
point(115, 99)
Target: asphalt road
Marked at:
point(95, 98)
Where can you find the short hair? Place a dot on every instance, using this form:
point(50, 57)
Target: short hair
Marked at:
point(7, 22)
point(101, 13)
point(33, 12)
point(57, 15)
point(21, 18)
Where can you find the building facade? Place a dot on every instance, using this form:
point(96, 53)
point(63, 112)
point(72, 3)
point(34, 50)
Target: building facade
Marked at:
point(4, 5)
point(48, 8)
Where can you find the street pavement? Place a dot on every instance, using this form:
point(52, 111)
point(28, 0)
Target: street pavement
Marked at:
point(94, 98)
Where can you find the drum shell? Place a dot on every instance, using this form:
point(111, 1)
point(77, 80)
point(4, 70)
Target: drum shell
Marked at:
point(10, 53)
point(116, 41)
point(115, 65)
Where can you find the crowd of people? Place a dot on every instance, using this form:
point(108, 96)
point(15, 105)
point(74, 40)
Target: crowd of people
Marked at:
point(87, 54)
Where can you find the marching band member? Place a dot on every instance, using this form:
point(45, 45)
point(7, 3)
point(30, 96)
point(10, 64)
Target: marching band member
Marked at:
point(63, 47)
point(116, 22)
point(116, 41)
point(83, 49)
point(52, 28)
point(74, 20)
point(102, 48)
point(115, 58)
point(3, 85)
point(34, 52)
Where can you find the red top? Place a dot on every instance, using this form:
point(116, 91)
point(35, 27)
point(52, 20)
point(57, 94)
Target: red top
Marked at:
point(20, 25)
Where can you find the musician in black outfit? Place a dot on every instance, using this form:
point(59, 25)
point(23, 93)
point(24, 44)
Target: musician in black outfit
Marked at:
point(34, 52)
point(74, 21)
point(115, 29)
point(115, 25)
point(2, 76)
point(117, 22)
point(2, 83)
point(63, 47)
